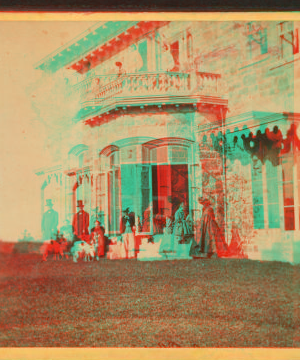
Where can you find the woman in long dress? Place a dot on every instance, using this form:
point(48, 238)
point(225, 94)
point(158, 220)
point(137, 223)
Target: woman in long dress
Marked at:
point(167, 244)
point(180, 225)
point(209, 240)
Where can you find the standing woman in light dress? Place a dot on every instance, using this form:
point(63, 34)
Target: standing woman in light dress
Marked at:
point(180, 225)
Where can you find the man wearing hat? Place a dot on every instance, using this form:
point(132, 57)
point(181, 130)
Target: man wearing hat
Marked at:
point(129, 215)
point(49, 221)
point(81, 221)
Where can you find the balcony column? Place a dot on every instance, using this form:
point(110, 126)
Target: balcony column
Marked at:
point(183, 51)
point(105, 164)
point(151, 52)
point(196, 181)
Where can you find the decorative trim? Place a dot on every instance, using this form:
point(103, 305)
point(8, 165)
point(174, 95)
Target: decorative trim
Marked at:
point(78, 149)
point(108, 150)
point(50, 169)
point(168, 142)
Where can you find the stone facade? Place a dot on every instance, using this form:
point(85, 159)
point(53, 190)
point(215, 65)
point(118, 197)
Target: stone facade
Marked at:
point(204, 100)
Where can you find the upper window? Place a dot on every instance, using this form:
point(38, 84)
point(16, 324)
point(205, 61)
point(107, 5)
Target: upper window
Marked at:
point(288, 39)
point(256, 40)
point(169, 154)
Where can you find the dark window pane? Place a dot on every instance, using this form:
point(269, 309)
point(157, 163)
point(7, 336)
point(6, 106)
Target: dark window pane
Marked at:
point(258, 217)
point(258, 200)
point(289, 218)
point(288, 194)
point(287, 169)
point(256, 172)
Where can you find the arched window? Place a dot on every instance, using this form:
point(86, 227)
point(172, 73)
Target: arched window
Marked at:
point(78, 156)
point(79, 184)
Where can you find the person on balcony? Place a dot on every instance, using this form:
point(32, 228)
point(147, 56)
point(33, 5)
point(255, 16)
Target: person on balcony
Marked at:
point(134, 61)
point(209, 241)
point(121, 70)
point(167, 59)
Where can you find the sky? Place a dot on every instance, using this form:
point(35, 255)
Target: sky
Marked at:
point(24, 113)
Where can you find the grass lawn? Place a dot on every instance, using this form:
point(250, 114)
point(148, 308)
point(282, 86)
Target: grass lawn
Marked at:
point(127, 303)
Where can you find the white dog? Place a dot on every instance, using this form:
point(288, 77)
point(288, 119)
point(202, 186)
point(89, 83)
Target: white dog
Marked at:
point(81, 249)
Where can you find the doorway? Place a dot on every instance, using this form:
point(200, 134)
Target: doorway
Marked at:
point(170, 188)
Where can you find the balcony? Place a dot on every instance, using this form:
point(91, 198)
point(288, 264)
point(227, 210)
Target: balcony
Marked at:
point(101, 94)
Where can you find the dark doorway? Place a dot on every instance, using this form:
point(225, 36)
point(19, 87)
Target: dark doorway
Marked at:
point(170, 187)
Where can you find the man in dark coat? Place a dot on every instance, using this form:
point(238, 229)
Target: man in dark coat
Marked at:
point(49, 221)
point(129, 215)
point(81, 221)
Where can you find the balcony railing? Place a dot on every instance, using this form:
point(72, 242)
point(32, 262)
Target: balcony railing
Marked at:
point(210, 84)
point(103, 91)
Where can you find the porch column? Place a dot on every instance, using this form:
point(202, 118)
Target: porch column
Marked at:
point(195, 182)
point(106, 189)
point(139, 168)
point(63, 198)
point(44, 184)
point(265, 196)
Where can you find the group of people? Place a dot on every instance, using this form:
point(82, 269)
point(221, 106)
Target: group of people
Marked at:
point(205, 237)
point(78, 231)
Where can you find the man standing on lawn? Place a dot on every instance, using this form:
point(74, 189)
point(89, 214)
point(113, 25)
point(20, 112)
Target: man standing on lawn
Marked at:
point(81, 222)
point(49, 221)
